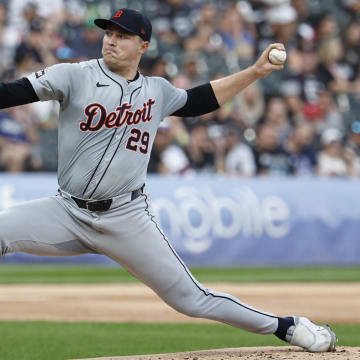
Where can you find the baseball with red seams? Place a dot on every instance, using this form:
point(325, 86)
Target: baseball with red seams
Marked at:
point(277, 57)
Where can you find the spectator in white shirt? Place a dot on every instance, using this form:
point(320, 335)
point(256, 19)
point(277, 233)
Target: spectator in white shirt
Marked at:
point(239, 159)
point(331, 161)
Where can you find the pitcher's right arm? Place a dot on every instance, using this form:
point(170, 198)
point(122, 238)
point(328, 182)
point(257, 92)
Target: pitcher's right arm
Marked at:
point(18, 92)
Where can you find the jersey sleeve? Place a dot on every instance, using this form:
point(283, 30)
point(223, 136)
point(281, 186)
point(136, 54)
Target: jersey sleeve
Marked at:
point(54, 82)
point(174, 98)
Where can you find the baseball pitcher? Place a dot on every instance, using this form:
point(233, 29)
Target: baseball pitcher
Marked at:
point(108, 118)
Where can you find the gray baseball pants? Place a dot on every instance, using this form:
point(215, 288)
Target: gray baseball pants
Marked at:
point(129, 235)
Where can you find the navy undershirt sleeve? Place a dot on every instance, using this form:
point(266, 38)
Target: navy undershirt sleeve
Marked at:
point(18, 92)
point(201, 100)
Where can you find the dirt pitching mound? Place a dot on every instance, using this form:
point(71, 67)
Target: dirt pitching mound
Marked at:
point(248, 353)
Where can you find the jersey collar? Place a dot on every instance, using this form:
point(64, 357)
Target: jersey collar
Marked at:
point(119, 79)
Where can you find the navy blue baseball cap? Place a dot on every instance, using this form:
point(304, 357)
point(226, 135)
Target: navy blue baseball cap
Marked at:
point(130, 20)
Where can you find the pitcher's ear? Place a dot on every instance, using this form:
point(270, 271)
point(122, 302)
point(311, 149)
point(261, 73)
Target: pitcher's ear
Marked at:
point(144, 46)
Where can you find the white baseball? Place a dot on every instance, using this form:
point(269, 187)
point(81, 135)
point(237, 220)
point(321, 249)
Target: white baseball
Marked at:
point(277, 57)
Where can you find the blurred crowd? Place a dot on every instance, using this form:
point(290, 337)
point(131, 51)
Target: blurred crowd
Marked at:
point(304, 120)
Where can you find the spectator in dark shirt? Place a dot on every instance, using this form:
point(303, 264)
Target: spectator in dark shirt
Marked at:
point(301, 147)
point(351, 41)
point(270, 158)
point(201, 149)
point(305, 83)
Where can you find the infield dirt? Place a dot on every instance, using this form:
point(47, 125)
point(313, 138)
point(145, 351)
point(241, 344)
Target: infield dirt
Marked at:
point(321, 302)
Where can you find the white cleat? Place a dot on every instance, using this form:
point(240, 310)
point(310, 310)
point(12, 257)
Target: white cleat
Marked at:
point(310, 336)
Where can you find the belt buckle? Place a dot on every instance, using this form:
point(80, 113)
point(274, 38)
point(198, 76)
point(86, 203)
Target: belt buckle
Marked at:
point(87, 203)
point(92, 205)
point(98, 205)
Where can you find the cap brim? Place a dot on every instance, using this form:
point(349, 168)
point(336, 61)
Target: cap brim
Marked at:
point(104, 23)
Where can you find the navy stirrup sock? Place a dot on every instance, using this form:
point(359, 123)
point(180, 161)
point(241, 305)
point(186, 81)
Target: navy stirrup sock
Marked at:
point(284, 324)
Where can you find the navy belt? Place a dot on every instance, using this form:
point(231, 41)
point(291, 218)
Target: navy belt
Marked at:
point(103, 205)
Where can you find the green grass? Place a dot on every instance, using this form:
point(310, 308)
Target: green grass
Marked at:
point(49, 340)
point(49, 274)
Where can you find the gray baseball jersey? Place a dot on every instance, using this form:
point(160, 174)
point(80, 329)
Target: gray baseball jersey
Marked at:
point(107, 126)
point(106, 131)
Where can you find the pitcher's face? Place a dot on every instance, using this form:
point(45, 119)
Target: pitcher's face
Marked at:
point(121, 48)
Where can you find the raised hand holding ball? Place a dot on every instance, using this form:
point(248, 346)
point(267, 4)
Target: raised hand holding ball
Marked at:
point(277, 57)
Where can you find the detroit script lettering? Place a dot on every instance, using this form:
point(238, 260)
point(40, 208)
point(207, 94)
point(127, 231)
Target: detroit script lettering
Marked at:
point(97, 116)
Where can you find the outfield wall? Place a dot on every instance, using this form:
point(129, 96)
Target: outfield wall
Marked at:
point(219, 221)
